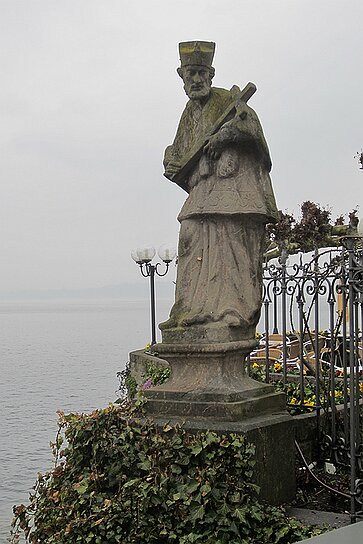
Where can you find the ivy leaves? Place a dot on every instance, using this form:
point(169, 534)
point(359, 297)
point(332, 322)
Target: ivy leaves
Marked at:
point(120, 479)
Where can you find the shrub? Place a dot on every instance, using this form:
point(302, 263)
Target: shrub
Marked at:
point(120, 479)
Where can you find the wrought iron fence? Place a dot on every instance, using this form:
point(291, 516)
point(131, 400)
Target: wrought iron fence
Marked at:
point(312, 344)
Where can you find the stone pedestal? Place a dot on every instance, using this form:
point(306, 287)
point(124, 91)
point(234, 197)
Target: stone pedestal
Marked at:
point(209, 381)
point(210, 390)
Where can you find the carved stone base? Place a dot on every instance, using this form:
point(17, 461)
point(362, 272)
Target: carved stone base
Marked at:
point(209, 381)
point(273, 436)
point(209, 390)
point(207, 333)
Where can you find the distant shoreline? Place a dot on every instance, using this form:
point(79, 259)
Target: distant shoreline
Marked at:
point(127, 292)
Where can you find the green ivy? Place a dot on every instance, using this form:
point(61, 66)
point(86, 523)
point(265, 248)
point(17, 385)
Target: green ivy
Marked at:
point(154, 375)
point(157, 374)
point(127, 383)
point(120, 479)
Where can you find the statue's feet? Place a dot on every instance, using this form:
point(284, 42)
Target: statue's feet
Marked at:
point(232, 320)
point(198, 319)
point(168, 324)
point(171, 323)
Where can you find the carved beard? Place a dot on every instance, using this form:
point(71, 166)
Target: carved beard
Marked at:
point(200, 94)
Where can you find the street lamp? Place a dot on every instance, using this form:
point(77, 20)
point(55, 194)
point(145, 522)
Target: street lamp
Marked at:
point(143, 257)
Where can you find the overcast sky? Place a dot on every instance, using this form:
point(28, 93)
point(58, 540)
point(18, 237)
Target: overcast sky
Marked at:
point(90, 98)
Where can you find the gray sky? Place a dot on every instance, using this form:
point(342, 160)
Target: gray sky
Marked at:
point(90, 98)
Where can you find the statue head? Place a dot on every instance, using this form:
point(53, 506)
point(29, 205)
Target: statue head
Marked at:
point(196, 68)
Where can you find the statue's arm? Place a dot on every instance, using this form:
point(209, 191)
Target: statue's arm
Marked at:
point(171, 161)
point(172, 165)
point(244, 131)
point(173, 154)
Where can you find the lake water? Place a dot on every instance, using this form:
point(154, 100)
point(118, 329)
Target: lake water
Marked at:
point(61, 355)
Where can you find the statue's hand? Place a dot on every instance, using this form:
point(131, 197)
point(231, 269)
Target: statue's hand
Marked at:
point(242, 110)
point(213, 148)
point(172, 168)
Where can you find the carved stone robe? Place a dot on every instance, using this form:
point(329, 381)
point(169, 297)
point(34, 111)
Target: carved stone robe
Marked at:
point(221, 242)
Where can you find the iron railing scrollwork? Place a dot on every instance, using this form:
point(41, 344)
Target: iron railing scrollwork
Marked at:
point(315, 307)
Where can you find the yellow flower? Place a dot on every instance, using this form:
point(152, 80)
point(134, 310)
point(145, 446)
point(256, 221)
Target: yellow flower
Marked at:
point(277, 367)
point(255, 365)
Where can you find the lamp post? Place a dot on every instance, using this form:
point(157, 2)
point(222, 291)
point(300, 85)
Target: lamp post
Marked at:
point(143, 257)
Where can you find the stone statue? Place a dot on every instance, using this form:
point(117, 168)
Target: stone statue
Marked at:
point(220, 158)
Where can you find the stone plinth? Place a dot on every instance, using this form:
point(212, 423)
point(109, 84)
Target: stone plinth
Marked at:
point(273, 436)
point(210, 390)
point(209, 381)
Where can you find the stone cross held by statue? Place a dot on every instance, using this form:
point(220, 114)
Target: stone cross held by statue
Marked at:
point(236, 108)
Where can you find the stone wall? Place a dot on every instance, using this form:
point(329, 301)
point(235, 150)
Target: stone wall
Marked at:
point(305, 425)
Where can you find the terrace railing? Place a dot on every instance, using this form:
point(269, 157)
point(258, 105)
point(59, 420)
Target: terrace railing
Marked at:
point(311, 325)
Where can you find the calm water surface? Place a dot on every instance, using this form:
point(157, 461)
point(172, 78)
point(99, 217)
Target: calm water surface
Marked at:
point(57, 356)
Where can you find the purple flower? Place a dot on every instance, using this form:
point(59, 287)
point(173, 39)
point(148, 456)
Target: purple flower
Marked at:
point(147, 384)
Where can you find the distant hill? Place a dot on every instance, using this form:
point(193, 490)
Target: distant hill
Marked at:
point(126, 291)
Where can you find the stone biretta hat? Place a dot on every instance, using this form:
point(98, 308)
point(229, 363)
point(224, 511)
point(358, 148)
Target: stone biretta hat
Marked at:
point(197, 53)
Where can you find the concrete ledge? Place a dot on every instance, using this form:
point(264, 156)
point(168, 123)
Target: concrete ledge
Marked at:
point(307, 516)
point(138, 362)
point(352, 534)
